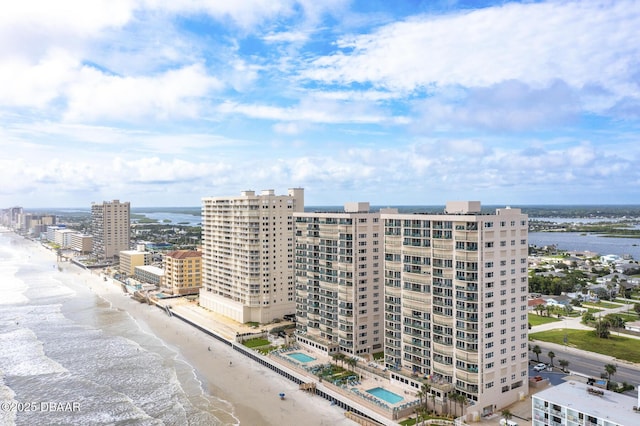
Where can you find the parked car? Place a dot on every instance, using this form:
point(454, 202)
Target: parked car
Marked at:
point(540, 367)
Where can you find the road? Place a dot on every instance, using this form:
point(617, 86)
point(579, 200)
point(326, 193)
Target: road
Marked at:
point(588, 364)
point(583, 362)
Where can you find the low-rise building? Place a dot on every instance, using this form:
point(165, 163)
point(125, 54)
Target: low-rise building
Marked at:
point(129, 259)
point(149, 274)
point(183, 272)
point(81, 243)
point(576, 404)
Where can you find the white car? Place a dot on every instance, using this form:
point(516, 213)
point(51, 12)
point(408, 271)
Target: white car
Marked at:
point(540, 367)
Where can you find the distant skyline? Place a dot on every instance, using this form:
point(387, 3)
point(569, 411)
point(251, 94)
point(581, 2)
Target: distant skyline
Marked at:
point(164, 102)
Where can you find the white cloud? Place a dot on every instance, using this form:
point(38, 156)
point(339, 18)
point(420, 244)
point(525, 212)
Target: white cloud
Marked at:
point(29, 23)
point(35, 85)
point(316, 110)
point(286, 36)
point(580, 43)
point(508, 105)
point(245, 14)
point(173, 94)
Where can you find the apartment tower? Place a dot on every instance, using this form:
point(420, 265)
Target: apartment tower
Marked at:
point(247, 254)
point(339, 288)
point(456, 304)
point(110, 228)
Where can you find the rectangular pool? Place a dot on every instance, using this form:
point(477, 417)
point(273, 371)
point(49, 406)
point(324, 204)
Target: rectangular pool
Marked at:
point(300, 357)
point(385, 395)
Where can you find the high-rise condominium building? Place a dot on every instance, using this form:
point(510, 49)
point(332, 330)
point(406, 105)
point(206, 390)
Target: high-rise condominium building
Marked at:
point(339, 287)
point(247, 254)
point(456, 303)
point(110, 228)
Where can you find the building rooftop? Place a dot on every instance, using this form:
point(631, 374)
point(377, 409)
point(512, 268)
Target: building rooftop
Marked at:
point(132, 252)
point(151, 269)
point(611, 406)
point(183, 254)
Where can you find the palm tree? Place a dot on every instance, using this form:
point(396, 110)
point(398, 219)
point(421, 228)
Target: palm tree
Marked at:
point(506, 414)
point(563, 363)
point(425, 389)
point(463, 401)
point(551, 356)
point(420, 395)
point(351, 362)
point(339, 357)
point(335, 358)
point(453, 397)
point(610, 369)
point(536, 350)
point(602, 328)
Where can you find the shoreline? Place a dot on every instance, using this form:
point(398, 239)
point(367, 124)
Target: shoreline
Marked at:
point(250, 390)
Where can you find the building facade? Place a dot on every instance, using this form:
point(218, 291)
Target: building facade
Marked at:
point(578, 404)
point(81, 243)
point(455, 304)
point(129, 259)
point(338, 276)
point(36, 224)
point(149, 274)
point(110, 228)
point(183, 272)
point(247, 254)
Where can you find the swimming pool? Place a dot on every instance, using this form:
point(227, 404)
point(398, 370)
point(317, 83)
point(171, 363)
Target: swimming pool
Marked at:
point(385, 395)
point(300, 357)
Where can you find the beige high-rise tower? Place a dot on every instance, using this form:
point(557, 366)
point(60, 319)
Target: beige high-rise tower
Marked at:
point(247, 254)
point(110, 228)
point(339, 285)
point(456, 304)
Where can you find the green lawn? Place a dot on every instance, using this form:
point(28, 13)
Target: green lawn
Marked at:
point(628, 317)
point(602, 305)
point(412, 420)
point(254, 343)
point(536, 319)
point(619, 347)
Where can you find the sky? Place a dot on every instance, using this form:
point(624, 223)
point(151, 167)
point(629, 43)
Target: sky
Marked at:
point(406, 102)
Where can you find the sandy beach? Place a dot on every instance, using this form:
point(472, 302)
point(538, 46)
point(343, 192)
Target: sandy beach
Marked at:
point(252, 390)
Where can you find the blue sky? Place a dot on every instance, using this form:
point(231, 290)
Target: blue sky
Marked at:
point(163, 102)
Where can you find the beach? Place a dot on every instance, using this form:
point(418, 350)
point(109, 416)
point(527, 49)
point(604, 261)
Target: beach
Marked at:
point(230, 387)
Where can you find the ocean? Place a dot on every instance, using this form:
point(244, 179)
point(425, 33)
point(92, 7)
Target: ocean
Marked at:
point(67, 357)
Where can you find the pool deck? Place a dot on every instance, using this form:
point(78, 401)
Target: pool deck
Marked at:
point(357, 390)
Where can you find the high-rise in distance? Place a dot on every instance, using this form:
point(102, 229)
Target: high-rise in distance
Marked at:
point(455, 303)
point(247, 254)
point(110, 228)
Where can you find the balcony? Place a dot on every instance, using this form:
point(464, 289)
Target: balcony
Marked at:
point(443, 369)
point(442, 349)
point(469, 377)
